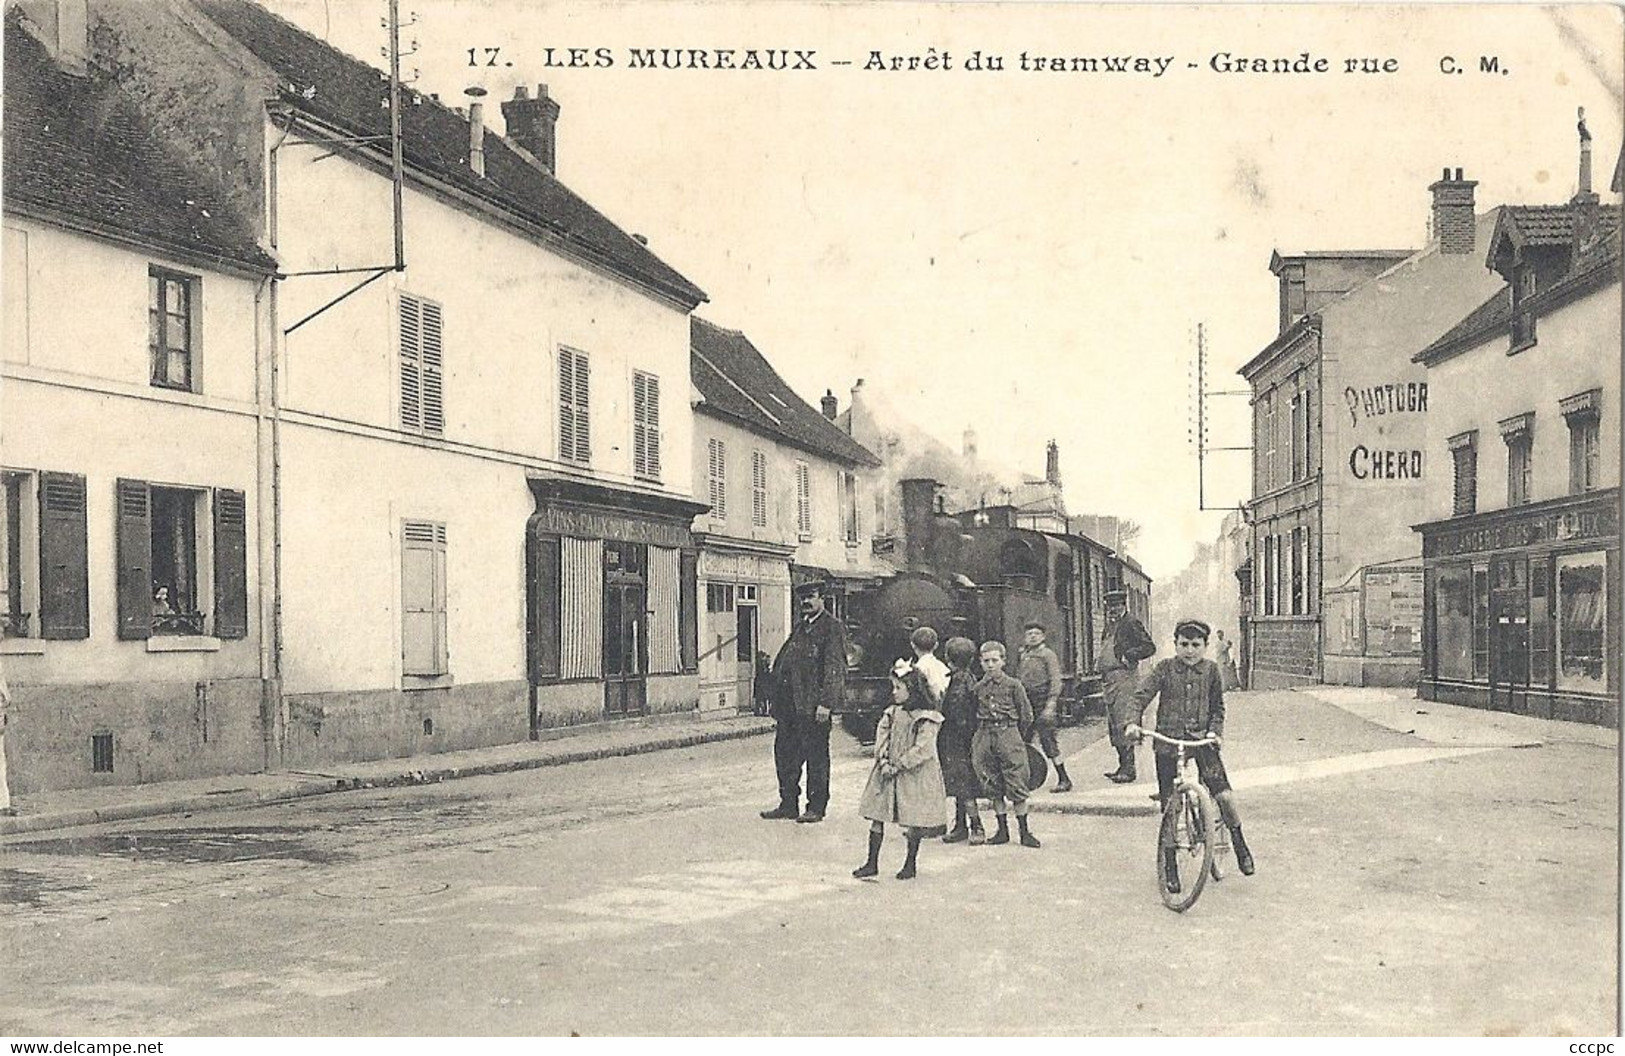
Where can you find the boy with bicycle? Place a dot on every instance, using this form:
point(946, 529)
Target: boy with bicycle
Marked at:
point(1191, 709)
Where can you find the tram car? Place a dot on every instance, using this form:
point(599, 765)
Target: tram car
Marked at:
point(979, 576)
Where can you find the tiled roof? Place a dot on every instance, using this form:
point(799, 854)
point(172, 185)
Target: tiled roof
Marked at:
point(737, 381)
point(334, 87)
point(1545, 225)
point(77, 155)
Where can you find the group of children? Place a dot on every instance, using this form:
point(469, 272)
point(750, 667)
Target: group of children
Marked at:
point(950, 734)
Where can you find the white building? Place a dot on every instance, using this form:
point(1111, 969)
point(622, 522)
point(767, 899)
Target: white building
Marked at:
point(791, 496)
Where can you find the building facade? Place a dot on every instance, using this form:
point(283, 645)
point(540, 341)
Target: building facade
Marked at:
point(463, 479)
point(1338, 467)
point(790, 498)
point(1521, 542)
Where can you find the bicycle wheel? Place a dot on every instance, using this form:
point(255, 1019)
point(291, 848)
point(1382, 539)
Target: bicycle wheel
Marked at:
point(1185, 846)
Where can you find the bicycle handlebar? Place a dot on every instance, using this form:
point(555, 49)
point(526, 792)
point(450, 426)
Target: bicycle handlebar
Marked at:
point(1154, 735)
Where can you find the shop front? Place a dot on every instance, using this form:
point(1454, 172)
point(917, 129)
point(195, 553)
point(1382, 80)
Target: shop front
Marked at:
point(1521, 609)
point(611, 603)
point(746, 587)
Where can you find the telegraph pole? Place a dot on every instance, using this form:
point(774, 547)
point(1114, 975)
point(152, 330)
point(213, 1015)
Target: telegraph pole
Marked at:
point(1202, 396)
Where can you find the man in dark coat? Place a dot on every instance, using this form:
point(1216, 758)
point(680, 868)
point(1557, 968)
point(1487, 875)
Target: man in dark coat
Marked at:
point(1123, 644)
point(809, 677)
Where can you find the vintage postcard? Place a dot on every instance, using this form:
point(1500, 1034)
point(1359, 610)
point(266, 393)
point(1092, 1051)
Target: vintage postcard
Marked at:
point(809, 518)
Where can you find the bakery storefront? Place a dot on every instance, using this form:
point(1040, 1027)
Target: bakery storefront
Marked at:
point(1521, 609)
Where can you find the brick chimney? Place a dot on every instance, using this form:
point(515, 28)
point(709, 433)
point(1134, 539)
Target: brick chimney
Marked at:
point(1052, 464)
point(829, 404)
point(1453, 220)
point(532, 124)
point(1585, 202)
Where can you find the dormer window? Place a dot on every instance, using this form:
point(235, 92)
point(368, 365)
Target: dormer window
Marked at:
point(1523, 316)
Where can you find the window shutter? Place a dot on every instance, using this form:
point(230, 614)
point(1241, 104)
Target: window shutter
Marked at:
point(230, 564)
point(134, 560)
point(423, 599)
point(433, 361)
point(688, 609)
point(64, 569)
point(803, 499)
point(567, 414)
point(543, 556)
point(411, 363)
point(583, 422)
point(758, 489)
point(718, 456)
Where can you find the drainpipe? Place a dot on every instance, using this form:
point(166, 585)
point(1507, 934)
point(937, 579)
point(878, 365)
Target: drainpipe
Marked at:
point(277, 703)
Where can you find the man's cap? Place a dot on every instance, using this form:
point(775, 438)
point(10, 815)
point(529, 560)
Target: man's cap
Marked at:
point(1032, 625)
point(1116, 595)
point(811, 586)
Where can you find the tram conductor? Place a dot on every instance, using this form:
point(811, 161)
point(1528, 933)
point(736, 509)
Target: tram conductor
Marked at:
point(809, 678)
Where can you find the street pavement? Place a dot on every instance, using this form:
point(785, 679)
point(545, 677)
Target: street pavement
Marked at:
point(1406, 885)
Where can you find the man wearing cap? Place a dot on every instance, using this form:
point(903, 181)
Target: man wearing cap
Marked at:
point(1039, 670)
point(809, 675)
point(1123, 644)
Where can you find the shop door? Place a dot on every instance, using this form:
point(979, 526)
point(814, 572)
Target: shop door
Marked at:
point(745, 654)
point(626, 646)
point(1509, 634)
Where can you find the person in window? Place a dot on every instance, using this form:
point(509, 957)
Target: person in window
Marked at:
point(809, 676)
point(161, 605)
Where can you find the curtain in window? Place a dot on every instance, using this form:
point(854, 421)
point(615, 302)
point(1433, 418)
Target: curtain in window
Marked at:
point(582, 622)
point(664, 658)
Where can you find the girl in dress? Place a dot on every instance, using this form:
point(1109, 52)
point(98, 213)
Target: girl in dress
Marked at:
point(905, 785)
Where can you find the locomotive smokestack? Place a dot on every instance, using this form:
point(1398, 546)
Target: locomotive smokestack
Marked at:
point(919, 495)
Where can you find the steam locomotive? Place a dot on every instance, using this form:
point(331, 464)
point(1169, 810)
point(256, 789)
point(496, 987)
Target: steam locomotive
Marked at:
point(979, 576)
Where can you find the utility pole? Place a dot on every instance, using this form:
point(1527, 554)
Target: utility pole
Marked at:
point(396, 165)
point(1202, 395)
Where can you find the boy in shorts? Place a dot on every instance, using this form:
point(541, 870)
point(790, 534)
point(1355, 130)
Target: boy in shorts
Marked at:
point(1192, 708)
point(999, 747)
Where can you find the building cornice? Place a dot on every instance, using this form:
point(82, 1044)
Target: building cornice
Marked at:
point(1290, 340)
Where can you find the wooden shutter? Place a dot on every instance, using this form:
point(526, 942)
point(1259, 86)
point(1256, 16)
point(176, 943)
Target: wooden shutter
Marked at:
point(230, 564)
point(567, 412)
point(64, 568)
point(688, 617)
point(134, 559)
point(411, 335)
point(542, 557)
point(717, 458)
point(645, 425)
point(758, 489)
point(803, 499)
point(434, 412)
point(423, 598)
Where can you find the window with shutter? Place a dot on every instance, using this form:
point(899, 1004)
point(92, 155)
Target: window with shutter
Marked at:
point(758, 489)
point(64, 568)
point(19, 575)
point(575, 431)
point(717, 466)
point(423, 599)
point(645, 426)
point(135, 583)
point(803, 500)
point(172, 327)
point(230, 564)
point(422, 362)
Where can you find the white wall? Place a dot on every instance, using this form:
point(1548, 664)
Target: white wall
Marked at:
point(508, 305)
point(76, 399)
point(1576, 349)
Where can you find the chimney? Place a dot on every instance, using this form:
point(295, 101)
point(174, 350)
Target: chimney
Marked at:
point(967, 446)
point(919, 499)
point(1052, 465)
point(476, 129)
point(1585, 202)
point(829, 404)
point(1453, 220)
point(532, 123)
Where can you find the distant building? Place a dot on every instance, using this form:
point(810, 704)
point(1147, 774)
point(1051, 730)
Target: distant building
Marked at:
point(1338, 465)
point(790, 498)
point(1208, 588)
point(1520, 531)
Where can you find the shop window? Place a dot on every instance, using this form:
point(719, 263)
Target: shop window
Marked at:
point(1582, 622)
point(172, 328)
point(1540, 622)
point(1454, 635)
point(719, 597)
point(1582, 413)
point(1464, 491)
point(1481, 624)
point(423, 600)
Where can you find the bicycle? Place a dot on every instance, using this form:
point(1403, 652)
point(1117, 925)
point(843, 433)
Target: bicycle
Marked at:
point(1191, 830)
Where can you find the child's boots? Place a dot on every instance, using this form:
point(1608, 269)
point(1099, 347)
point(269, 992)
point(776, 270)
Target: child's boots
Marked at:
point(1027, 838)
point(1003, 834)
point(1244, 856)
point(871, 868)
point(977, 836)
point(958, 834)
point(1063, 783)
point(907, 872)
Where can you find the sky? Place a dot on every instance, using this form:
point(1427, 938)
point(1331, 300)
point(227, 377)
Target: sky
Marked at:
point(1030, 253)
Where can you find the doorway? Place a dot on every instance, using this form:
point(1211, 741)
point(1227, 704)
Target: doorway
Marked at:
point(747, 624)
point(626, 645)
point(1509, 634)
